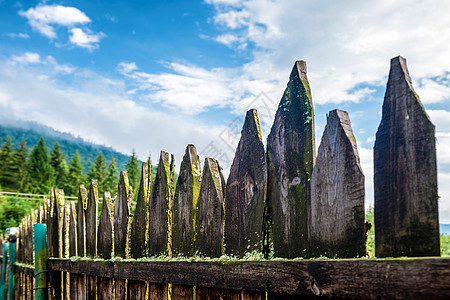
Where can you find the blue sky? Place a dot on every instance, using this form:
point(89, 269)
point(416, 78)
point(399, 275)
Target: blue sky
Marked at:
point(157, 75)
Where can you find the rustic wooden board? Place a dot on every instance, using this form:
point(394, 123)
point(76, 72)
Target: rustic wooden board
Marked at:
point(405, 173)
point(159, 207)
point(337, 193)
point(417, 278)
point(157, 292)
point(185, 202)
point(91, 220)
point(81, 220)
point(139, 227)
point(73, 250)
point(210, 211)
point(246, 192)
point(122, 213)
point(290, 157)
point(182, 292)
point(105, 288)
point(137, 290)
point(105, 228)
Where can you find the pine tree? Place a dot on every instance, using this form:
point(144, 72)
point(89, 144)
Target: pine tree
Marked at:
point(112, 178)
point(40, 171)
point(133, 171)
point(75, 177)
point(6, 165)
point(59, 165)
point(98, 171)
point(20, 166)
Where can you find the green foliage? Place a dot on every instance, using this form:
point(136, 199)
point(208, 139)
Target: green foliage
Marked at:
point(75, 177)
point(32, 131)
point(40, 175)
point(112, 178)
point(6, 164)
point(445, 245)
point(98, 171)
point(12, 211)
point(59, 166)
point(133, 171)
point(370, 243)
point(19, 168)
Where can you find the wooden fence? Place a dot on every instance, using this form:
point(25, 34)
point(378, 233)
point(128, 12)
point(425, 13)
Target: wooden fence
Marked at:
point(277, 210)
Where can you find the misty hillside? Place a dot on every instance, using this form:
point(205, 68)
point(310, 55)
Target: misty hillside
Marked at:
point(33, 131)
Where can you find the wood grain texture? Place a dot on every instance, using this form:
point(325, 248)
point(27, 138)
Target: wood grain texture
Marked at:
point(122, 214)
point(185, 203)
point(182, 292)
point(290, 157)
point(91, 220)
point(405, 173)
point(105, 228)
point(73, 250)
point(160, 207)
point(246, 192)
point(120, 289)
point(137, 290)
point(105, 288)
point(81, 220)
point(425, 278)
point(337, 193)
point(210, 211)
point(139, 227)
point(157, 292)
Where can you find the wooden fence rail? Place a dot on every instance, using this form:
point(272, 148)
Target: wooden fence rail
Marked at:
point(278, 203)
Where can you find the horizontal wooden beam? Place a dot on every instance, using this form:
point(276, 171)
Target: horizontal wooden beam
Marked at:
point(23, 268)
point(407, 278)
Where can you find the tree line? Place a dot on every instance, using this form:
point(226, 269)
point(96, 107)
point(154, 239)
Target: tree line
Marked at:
point(36, 171)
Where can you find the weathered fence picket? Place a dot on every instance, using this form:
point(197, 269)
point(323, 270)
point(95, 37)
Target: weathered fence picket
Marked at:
point(282, 199)
point(336, 222)
point(290, 158)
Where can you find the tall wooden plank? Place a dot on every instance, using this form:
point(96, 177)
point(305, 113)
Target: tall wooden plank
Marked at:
point(66, 254)
point(81, 220)
point(185, 202)
point(57, 240)
point(91, 235)
point(139, 227)
point(73, 250)
point(158, 291)
point(405, 172)
point(290, 158)
point(139, 231)
point(122, 212)
point(337, 193)
point(122, 207)
point(81, 240)
point(246, 192)
point(210, 210)
point(105, 245)
point(159, 207)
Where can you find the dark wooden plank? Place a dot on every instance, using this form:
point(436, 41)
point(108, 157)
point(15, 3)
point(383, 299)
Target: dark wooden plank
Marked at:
point(214, 293)
point(66, 254)
point(139, 227)
point(122, 212)
point(80, 280)
point(57, 240)
point(91, 235)
point(182, 292)
point(120, 288)
point(81, 220)
point(246, 192)
point(337, 193)
point(185, 202)
point(158, 292)
point(415, 278)
point(210, 211)
point(105, 228)
point(159, 207)
point(405, 172)
point(73, 250)
point(290, 157)
point(105, 288)
point(139, 232)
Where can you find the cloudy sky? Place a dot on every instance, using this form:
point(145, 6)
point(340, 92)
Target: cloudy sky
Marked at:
point(157, 75)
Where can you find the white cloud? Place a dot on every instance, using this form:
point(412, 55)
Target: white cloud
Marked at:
point(126, 68)
point(19, 35)
point(27, 58)
point(227, 39)
point(434, 90)
point(43, 17)
point(85, 39)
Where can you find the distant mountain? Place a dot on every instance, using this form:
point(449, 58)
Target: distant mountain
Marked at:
point(33, 131)
point(444, 229)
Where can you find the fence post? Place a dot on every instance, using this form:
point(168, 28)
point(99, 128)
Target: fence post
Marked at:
point(40, 264)
point(11, 261)
point(3, 278)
